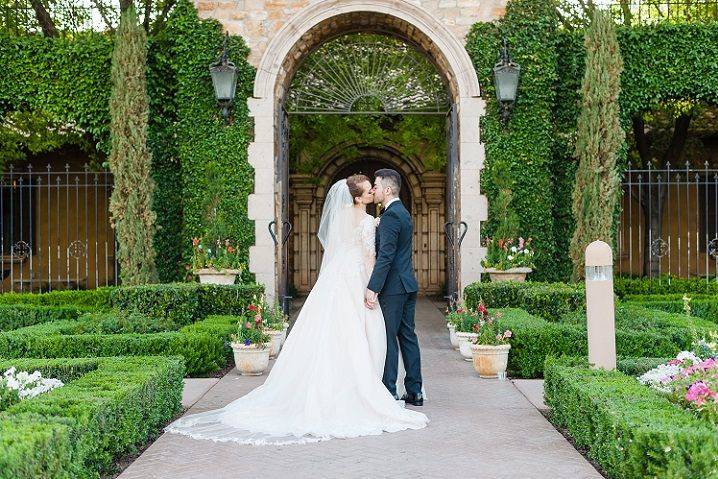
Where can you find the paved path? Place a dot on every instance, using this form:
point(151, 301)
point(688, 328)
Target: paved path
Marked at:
point(479, 428)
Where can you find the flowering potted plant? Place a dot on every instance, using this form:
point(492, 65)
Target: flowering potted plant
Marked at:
point(464, 320)
point(273, 322)
point(216, 262)
point(250, 345)
point(508, 259)
point(508, 256)
point(454, 314)
point(490, 349)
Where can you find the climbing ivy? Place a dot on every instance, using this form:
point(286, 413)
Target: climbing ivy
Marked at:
point(524, 146)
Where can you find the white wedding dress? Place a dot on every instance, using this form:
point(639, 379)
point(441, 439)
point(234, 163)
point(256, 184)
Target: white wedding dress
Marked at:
point(326, 382)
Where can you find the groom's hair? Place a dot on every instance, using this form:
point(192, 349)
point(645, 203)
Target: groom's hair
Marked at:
point(390, 178)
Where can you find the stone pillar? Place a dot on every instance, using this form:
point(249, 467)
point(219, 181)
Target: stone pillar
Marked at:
point(434, 196)
point(302, 194)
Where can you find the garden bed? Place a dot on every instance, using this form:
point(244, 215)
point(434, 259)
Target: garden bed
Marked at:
point(629, 429)
point(639, 333)
point(107, 408)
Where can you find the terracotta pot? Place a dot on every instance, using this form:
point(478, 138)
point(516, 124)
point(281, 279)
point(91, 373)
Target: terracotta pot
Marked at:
point(465, 340)
point(452, 336)
point(511, 274)
point(251, 360)
point(275, 344)
point(213, 276)
point(490, 361)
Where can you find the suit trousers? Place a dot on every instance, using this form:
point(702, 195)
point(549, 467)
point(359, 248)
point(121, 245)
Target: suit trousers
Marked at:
point(398, 310)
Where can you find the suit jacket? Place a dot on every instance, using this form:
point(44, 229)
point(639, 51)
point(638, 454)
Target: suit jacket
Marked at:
point(394, 270)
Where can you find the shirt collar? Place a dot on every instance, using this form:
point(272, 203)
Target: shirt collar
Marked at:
point(386, 206)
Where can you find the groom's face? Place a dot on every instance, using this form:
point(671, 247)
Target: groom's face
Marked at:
point(378, 191)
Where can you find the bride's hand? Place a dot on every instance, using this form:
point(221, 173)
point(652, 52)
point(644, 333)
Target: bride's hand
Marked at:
point(370, 298)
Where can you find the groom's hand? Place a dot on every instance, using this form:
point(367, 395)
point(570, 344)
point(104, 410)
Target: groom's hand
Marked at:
point(370, 298)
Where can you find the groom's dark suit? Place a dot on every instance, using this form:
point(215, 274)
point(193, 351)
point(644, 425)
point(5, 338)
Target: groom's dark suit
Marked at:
point(393, 278)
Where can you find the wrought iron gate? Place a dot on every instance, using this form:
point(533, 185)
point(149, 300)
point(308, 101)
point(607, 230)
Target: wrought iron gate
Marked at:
point(452, 226)
point(283, 226)
point(55, 230)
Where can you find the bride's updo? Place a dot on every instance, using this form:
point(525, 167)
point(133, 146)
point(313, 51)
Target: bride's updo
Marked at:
point(355, 182)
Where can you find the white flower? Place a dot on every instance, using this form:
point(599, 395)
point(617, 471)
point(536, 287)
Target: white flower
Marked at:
point(510, 258)
point(513, 249)
point(28, 385)
point(527, 251)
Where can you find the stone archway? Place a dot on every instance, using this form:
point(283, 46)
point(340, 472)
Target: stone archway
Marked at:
point(305, 31)
point(424, 195)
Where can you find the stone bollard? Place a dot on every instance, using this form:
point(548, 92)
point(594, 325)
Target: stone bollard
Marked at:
point(600, 306)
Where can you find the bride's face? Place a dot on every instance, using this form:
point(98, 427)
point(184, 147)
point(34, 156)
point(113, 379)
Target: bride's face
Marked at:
point(367, 197)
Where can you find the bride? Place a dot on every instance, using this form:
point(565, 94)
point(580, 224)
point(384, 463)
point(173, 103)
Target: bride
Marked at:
point(326, 383)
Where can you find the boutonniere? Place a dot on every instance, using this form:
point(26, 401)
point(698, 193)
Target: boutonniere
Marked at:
point(376, 221)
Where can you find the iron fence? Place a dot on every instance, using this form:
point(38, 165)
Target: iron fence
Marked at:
point(55, 230)
point(643, 12)
point(669, 222)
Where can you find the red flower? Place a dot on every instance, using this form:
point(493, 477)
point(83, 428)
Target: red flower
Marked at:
point(195, 241)
point(230, 249)
point(482, 309)
point(252, 308)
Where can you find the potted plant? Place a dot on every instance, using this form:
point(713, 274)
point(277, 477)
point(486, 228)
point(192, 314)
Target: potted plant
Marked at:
point(250, 346)
point(508, 256)
point(273, 321)
point(216, 258)
point(453, 317)
point(490, 349)
point(464, 320)
point(216, 262)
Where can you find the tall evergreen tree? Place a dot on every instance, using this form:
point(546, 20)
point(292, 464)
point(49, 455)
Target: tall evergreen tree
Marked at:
point(598, 142)
point(130, 158)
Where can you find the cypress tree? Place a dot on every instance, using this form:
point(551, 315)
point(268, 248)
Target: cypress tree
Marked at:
point(130, 158)
point(598, 141)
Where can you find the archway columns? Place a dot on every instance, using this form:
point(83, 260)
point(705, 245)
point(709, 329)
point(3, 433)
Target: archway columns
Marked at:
point(473, 207)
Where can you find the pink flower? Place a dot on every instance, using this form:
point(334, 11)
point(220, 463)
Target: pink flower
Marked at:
point(674, 362)
point(699, 392)
point(499, 337)
point(248, 325)
point(521, 243)
point(508, 334)
point(258, 318)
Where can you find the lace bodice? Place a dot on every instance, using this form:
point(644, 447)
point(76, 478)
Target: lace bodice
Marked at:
point(365, 240)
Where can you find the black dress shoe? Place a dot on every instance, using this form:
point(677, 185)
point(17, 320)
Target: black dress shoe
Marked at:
point(413, 399)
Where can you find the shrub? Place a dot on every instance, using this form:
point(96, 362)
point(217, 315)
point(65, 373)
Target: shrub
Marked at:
point(702, 307)
point(203, 346)
point(534, 339)
point(184, 303)
point(664, 285)
point(107, 408)
point(93, 298)
point(548, 300)
point(21, 315)
point(630, 430)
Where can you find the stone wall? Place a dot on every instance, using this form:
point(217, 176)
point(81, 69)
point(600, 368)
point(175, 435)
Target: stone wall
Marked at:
point(258, 20)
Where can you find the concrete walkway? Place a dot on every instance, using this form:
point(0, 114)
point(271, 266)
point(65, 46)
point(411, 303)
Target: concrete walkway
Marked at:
point(479, 428)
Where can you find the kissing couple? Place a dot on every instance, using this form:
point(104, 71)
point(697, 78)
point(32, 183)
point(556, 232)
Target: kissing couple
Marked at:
point(340, 374)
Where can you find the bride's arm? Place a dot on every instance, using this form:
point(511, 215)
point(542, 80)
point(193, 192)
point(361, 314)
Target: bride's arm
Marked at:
point(368, 234)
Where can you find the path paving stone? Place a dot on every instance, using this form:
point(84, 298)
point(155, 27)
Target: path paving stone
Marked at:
point(195, 388)
point(479, 428)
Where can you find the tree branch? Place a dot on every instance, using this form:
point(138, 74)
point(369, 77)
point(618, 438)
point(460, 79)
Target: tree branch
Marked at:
point(639, 134)
point(674, 152)
point(44, 19)
point(103, 13)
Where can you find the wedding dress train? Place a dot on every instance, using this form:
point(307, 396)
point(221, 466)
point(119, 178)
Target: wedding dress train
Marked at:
point(326, 383)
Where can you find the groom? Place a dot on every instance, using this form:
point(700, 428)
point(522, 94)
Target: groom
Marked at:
point(392, 282)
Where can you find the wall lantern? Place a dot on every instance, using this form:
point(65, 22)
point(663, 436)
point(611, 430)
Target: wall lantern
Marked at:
point(506, 81)
point(224, 79)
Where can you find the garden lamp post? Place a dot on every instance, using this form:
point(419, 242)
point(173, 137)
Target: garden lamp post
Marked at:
point(600, 314)
point(506, 81)
point(224, 79)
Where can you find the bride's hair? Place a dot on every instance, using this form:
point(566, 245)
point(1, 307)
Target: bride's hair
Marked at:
point(354, 182)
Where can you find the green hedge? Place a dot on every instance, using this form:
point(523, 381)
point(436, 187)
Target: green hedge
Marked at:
point(642, 286)
point(702, 307)
point(21, 315)
point(92, 298)
point(534, 339)
point(629, 429)
point(109, 408)
point(548, 300)
point(184, 302)
point(203, 345)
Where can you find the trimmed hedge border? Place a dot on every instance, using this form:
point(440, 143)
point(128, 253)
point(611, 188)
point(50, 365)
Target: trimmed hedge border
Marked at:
point(534, 339)
point(702, 307)
point(109, 407)
point(631, 430)
point(548, 300)
point(21, 315)
point(93, 298)
point(632, 286)
point(203, 345)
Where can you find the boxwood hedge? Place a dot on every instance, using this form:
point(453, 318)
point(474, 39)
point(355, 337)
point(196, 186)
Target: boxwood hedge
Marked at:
point(107, 408)
point(629, 429)
point(13, 316)
point(548, 300)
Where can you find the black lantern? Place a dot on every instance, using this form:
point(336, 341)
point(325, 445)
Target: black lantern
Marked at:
point(224, 79)
point(506, 81)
